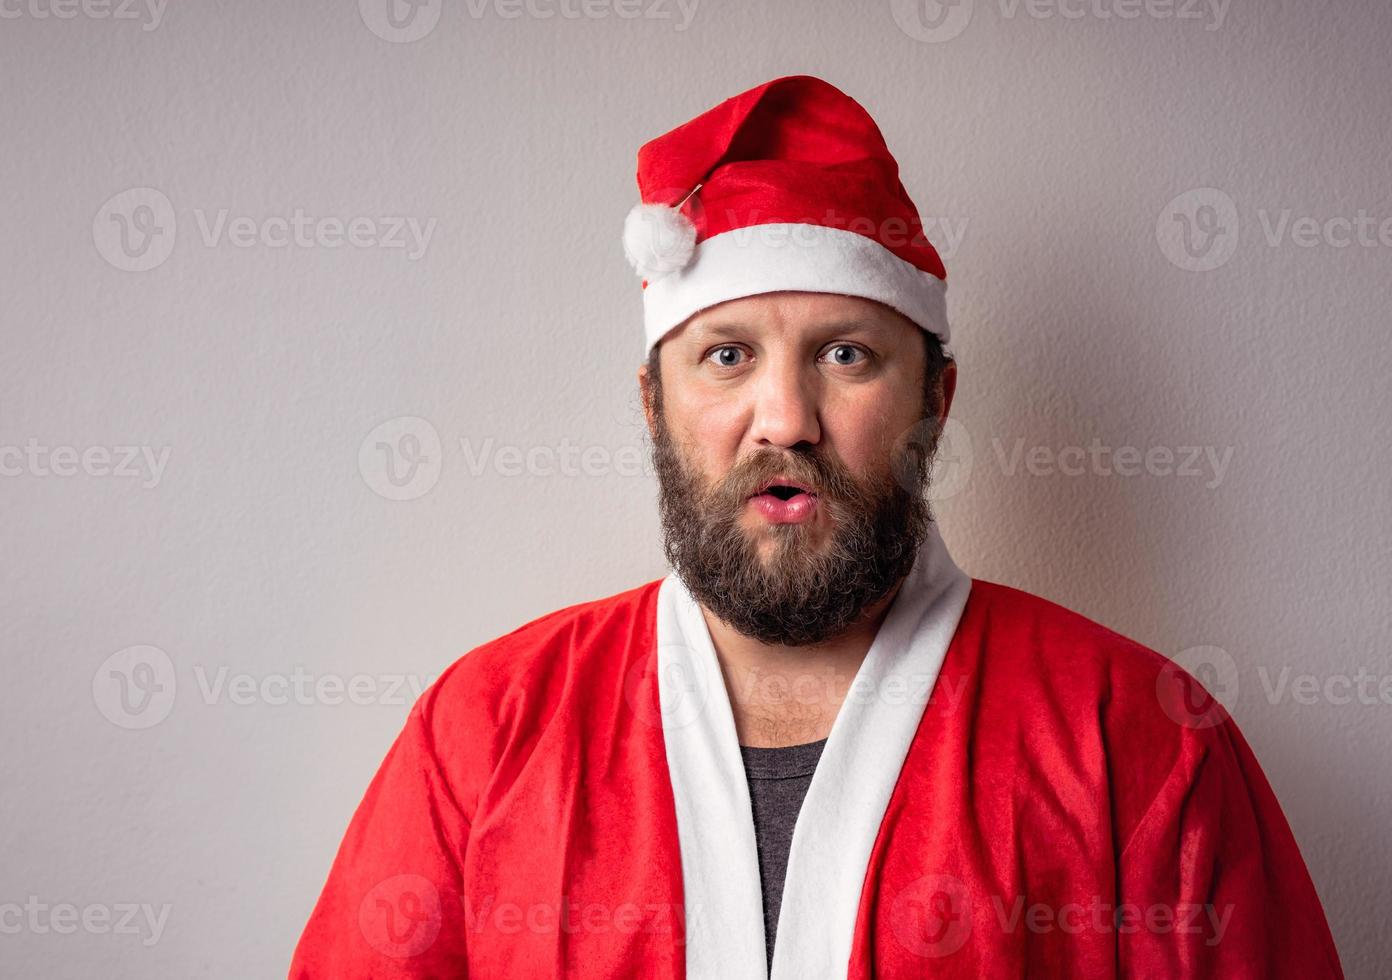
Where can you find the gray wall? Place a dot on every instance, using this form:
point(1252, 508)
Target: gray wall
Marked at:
point(269, 606)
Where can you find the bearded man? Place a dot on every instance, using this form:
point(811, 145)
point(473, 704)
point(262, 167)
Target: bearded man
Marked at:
point(817, 748)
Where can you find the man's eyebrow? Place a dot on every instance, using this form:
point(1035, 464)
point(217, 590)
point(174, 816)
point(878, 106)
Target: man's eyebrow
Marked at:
point(734, 328)
point(713, 331)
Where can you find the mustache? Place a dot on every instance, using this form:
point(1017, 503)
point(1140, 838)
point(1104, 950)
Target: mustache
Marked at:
point(820, 474)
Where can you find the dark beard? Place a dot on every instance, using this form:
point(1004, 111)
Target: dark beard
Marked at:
point(802, 594)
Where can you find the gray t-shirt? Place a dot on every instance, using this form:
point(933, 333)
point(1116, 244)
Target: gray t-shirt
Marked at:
point(778, 781)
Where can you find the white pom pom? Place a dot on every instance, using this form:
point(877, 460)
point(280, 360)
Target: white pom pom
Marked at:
point(658, 240)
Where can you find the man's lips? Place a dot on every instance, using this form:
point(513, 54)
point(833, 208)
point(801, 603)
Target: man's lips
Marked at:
point(794, 502)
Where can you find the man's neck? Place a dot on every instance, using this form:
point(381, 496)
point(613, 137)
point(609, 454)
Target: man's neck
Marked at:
point(784, 695)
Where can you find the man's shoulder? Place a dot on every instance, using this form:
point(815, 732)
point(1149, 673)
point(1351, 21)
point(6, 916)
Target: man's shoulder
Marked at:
point(1127, 716)
point(1056, 668)
point(549, 648)
point(498, 699)
point(1036, 637)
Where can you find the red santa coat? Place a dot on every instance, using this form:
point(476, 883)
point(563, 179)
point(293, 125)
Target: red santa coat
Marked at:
point(568, 800)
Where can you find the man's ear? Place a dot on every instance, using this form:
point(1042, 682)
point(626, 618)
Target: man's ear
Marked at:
point(949, 388)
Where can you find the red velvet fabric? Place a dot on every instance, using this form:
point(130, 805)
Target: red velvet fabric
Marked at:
point(1072, 806)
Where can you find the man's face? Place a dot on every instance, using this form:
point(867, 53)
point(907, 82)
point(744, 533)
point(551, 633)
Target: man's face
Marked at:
point(814, 393)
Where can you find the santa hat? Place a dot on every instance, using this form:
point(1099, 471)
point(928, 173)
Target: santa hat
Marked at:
point(788, 186)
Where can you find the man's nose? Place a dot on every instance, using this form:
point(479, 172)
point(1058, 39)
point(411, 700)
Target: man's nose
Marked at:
point(785, 406)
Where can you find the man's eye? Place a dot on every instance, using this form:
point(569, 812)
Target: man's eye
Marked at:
point(726, 356)
point(845, 354)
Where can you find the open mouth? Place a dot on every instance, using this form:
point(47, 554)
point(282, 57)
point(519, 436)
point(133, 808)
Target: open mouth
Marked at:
point(782, 501)
point(784, 490)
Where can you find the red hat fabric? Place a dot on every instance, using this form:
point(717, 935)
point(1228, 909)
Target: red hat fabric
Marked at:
point(788, 186)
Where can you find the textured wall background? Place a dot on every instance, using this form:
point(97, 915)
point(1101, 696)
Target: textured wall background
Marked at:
point(1167, 225)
